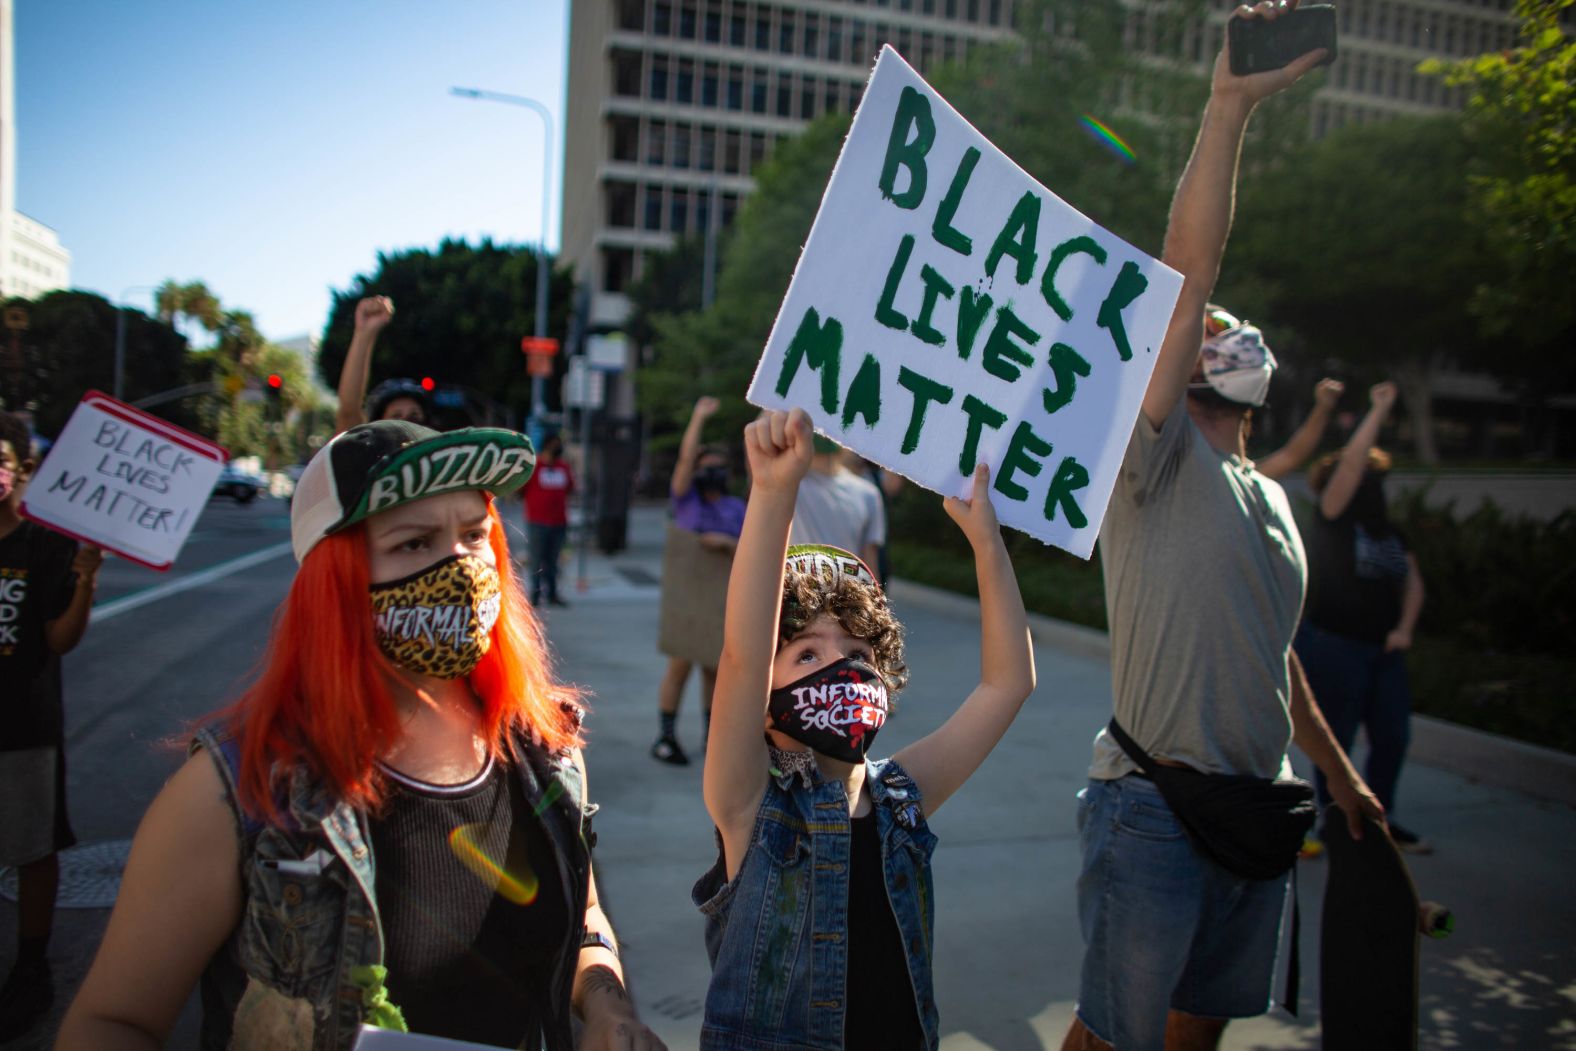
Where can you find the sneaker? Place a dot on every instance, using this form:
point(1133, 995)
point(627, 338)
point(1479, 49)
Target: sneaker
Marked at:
point(25, 998)
point(1312, 847)
point(667, 749)
point(1409, 841)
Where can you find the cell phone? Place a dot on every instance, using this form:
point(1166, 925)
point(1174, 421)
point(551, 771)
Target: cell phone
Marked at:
point(1258, 45)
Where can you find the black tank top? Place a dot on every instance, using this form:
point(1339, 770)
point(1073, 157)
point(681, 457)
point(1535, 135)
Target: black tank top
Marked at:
point(880, 1014)
point(472, 905)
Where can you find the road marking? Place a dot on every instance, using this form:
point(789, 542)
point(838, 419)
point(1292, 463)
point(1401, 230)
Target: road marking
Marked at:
point(137, 599)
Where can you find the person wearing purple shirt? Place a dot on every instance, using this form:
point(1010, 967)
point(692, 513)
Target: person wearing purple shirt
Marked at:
point(700, 504)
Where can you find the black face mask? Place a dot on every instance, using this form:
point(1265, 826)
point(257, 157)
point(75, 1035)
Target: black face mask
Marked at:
point(835, 711)
point(711, 479)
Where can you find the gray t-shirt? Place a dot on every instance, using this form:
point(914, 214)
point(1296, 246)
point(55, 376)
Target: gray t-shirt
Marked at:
point(1204, 581)
point(841, 509)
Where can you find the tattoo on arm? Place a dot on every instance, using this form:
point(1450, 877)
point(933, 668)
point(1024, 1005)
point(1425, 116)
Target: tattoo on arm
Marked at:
point(599, 978)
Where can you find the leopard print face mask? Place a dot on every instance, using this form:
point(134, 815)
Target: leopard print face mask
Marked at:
point(438, 622)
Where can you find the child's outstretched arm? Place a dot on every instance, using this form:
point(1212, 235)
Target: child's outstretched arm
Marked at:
point(943, 760)
point(778, 446)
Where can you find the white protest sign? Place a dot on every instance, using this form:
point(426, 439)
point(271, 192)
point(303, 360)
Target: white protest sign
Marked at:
point(131, 483)
point(949, 310)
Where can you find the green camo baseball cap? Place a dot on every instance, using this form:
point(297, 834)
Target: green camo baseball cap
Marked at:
point(383, 464)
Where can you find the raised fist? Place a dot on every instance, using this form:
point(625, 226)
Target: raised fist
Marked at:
point(706, 406)
point(374, 312)
point(1382, 396)
point(779, 448)
point(1327, 393)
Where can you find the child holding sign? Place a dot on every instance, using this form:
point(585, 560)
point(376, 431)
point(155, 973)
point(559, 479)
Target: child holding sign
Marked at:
point(46, 589)
point(825, 860)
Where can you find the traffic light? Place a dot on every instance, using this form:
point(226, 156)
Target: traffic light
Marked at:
point(427, 384)
point(276, 387)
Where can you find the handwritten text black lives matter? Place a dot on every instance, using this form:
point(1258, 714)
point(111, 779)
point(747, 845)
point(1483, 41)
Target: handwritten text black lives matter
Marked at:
point(132, 471)
point(1005, 351)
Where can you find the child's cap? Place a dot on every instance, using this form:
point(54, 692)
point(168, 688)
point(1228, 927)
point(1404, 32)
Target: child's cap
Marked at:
point(829, 563)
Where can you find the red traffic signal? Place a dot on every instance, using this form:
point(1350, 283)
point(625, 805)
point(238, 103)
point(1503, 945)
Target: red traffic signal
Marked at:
point(275, 380)
point(427, 383)
point(543, 345)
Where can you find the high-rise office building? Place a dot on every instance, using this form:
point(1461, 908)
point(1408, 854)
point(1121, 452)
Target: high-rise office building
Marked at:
point(32, 260)
point(673, 104)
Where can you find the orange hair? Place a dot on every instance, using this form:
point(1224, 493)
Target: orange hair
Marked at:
point(321, 697)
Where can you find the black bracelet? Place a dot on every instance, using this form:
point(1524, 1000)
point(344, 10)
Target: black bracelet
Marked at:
point(596, 939)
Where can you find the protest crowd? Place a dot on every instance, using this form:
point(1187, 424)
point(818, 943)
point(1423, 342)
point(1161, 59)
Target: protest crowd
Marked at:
point(407, 763)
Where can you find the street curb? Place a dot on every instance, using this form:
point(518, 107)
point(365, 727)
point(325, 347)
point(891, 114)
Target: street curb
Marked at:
point(1477, 755)
point(1491, 759)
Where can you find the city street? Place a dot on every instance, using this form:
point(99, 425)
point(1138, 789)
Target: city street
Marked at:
point(1008, 944)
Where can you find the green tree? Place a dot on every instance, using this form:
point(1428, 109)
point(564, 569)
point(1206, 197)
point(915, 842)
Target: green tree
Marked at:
point(1521, 122)
point(69, 349)
point(460, 312)
point(1354, 248)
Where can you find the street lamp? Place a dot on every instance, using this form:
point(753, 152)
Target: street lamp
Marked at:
point(538, 383)
point(120, 335)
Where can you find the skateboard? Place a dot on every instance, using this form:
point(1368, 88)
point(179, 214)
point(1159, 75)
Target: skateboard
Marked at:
point(1368, 956)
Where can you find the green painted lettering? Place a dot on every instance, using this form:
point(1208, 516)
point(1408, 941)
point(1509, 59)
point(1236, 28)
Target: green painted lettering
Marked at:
point(818, 346)
point(1129, 285)
point(973, 309)
point(942, 229)
point(1066, 366)
point(935, 286)
point(1001, 352)
point(1070, 477)
point(1021, 452)
point(980, 416)
point(925, 391)
point(885, 312)
point(1017, 238)
point(913, 112)
point(864, 394)
point(1088, 246)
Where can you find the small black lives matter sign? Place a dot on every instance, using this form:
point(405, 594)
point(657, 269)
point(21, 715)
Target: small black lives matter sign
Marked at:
point(131, 483)
point(948, 310)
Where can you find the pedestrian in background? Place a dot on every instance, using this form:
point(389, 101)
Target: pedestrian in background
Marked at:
point(838, 507)
point(547, 518)
point(390, 826)
point(46, 593)
point(888, 484)
point(707, 516)
point(1365, 593)
point(820, 907)
point(395, 399)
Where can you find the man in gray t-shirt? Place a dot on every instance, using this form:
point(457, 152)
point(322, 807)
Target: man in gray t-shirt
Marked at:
point(838, 507)
point(1204, 578)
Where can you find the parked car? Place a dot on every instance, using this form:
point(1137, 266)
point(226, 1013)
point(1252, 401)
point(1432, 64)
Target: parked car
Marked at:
point(240, 485)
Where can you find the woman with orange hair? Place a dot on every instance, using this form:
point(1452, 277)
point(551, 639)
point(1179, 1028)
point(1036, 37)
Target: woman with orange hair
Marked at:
point(405, 714)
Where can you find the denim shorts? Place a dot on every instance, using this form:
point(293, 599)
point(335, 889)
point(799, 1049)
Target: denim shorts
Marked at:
point(1164, 929)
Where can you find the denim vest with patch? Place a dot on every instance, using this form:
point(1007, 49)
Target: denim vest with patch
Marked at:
point(293, 975)
point(776, 934)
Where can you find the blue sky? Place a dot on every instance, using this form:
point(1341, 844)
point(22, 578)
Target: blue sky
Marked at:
point(272, 149)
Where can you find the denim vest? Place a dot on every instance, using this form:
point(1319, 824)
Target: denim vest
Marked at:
point(775, 934)
point(295, 973)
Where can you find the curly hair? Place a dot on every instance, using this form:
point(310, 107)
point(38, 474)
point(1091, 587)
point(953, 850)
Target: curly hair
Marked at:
point(860, 608)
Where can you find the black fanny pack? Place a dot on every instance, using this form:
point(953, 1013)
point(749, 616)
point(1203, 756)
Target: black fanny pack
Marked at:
point(1251, 826)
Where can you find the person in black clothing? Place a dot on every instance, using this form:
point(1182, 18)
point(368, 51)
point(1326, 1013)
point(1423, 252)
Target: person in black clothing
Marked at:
point(390, 826)
point(46, 591)
point(1365, 593)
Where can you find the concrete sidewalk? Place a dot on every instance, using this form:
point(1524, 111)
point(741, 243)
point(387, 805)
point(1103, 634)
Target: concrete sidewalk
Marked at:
point(1008, 945)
